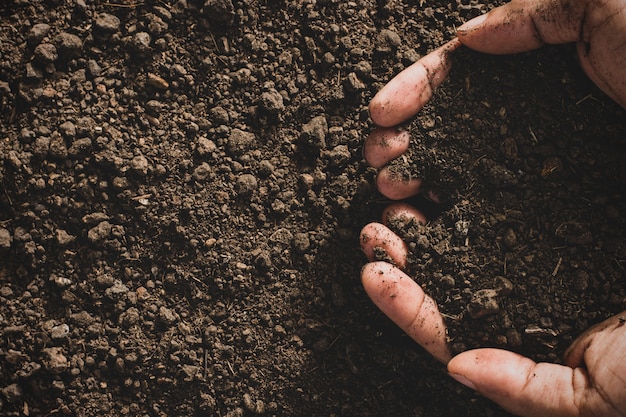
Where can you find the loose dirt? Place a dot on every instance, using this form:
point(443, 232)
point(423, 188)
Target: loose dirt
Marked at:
point(183, 190)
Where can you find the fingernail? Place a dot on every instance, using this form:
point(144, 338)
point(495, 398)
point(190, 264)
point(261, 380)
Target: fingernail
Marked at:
point(471, 24)
point(464, 381)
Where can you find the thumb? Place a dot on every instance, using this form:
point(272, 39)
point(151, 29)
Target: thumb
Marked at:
point(523, 25)
point(520, 385)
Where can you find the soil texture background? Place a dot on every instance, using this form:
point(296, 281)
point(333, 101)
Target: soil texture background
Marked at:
point(182, 191)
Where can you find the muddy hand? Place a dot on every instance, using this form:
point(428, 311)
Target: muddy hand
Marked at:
point(598, 27)
point(593, 382)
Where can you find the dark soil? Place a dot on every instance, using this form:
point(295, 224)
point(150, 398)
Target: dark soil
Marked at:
point(183, 189)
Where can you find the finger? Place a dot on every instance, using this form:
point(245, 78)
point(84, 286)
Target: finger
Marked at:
point(376, 237)
point(520, 385)
point(385, 144)
point(574, 355)
point(395, 185)
point(523, 25)
point(602, 49)
point(404, 302)
point(403, 212)
point(411, 89)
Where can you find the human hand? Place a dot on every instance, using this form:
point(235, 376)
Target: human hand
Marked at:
point(597, 27)
point(593, 380)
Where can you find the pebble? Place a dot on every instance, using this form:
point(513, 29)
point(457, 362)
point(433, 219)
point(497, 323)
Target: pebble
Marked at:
point(272, 102)
point(157, 82)
point(141, 43)
point(339, 155)
point(45, 53)
point(483, 303)
point(202, 172)
point(255, 407)
point(139, 164)
point(219, 116)
point(246, 185)
point(388, 41)
point(37, 33)
point(69, 45)
point(68, 129)
point(107, 23)
point(12, 393)
point(314, 132)
point(54, 361)
point(82, 319)
point(205, 146)
point(5, 238)
point(353, 84)
point(117, 290)
point(282, 235)
point(239, 141)
point(301, 242)
point(60, 332)
point(100, 232)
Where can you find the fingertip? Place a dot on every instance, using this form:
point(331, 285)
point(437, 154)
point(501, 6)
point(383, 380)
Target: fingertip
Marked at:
point(384, 144)
point(403, 212)
point(376, 238)
point(404, 302)
point(517, 383)
point(397, 185)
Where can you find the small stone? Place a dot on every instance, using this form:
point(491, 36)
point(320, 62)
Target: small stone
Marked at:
point(352, 84)
point(37, 33)
point(219, 116)
point(82, 319)
point(239, 141)
point(64, 238)
point(60, 332)
point(301, 242)
point(61, 282)
point(141, 43)
point(107, 23)
point(69, 46)
point(246, 185)
point(45, 53)
point(205, 146)
point(54, 361)
point(154, 107)
point(12, 393)
point(68, 129)
point(100, 232)
point(314, 132)
point(339, 155)
point(272, 102)
point(5, 238)
point(202, 172)
point(167, 316)
point(94, 68)
point(388, 41)
point(157, 82)
point(139, 164)
point(483, 303)
point(117, 291)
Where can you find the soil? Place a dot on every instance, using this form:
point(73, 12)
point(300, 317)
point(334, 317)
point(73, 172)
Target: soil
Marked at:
point(183, 190)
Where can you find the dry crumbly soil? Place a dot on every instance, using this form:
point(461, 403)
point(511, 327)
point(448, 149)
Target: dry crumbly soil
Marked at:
point(183, 189)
